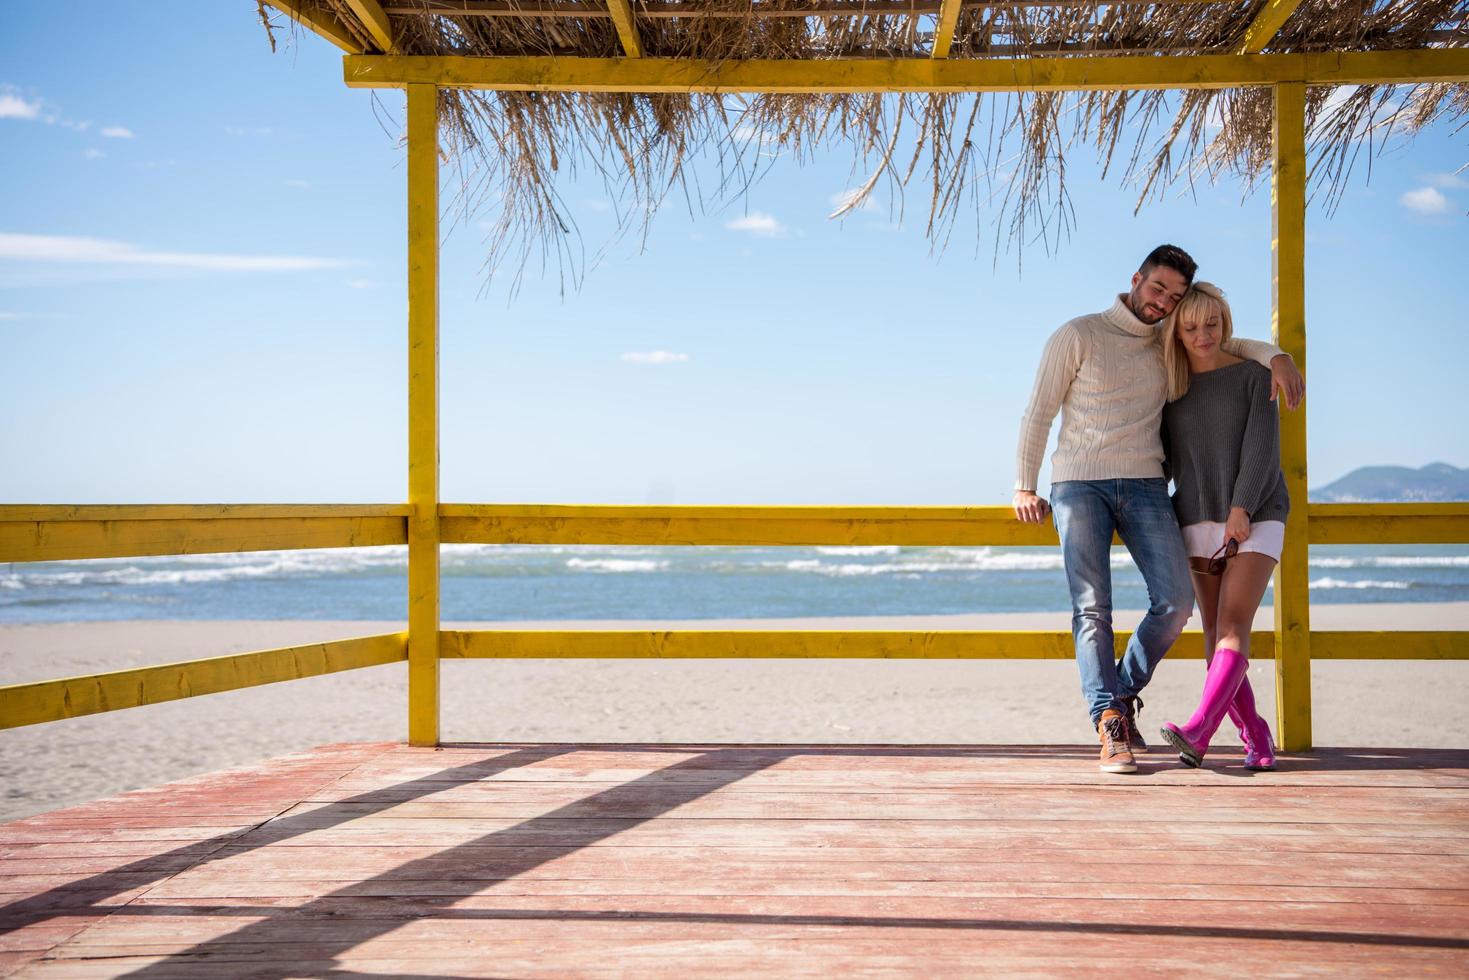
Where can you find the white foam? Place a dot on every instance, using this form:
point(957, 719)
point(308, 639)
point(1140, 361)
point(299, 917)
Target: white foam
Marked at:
point(1393, 561)
point(615, 565)
point(863, 549)
point(1338, 583)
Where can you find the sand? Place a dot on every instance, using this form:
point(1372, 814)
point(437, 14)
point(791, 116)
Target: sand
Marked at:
point(44, 767)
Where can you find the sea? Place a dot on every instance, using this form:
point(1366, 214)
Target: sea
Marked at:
point(541, 582)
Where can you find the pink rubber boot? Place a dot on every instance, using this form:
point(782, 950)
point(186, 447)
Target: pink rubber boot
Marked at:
point(1253, 732)
point(1191, 739)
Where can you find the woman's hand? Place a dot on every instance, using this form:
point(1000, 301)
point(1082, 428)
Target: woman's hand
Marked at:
point(1238, 525)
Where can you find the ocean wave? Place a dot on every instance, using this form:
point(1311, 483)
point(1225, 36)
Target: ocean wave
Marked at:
point(1340, 583)
point(616, 565)
point(1393, 561)
point(859, 549)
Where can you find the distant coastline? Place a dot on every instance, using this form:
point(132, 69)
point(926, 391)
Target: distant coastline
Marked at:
point(1436, 482)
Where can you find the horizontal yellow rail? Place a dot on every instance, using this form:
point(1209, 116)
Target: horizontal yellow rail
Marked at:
point(61, 533)
point(572, 524)
point(72, 697)
point(901, 645)
point(54, 533)
point(1388, 523)
point(790, 644)
point(957, 526)
point(836, 75)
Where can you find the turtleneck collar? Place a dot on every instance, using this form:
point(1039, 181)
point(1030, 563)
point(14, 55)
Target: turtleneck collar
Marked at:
point(1123, 319)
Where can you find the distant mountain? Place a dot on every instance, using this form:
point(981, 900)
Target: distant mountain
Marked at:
point(1436, 481)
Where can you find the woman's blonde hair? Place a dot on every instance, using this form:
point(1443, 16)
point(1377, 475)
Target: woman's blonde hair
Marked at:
point(1203, 300)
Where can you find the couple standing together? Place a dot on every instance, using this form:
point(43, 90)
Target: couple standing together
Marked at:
point(1156, 387)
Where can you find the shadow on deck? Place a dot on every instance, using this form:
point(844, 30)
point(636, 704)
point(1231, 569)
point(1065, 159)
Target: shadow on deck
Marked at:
point(496, 860)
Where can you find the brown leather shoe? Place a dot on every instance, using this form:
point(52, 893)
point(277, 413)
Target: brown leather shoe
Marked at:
point(1134, 734)
point(1112, 730)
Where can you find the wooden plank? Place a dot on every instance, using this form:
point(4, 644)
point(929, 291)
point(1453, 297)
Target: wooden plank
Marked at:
point(24, 541)
point(943, 35)
point(1267, 23)
point(72, 697)
point(1388, 523)
point(579, 524)
point(1288, 327)
point(1389, 645)
point(1100, 73)
point(195, 512)
point(822, 644)
point(423, 415)
point(627, 29)
point(375, 20)
point(321, 23)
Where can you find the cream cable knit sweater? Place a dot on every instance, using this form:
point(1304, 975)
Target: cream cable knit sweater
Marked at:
point(1104, 373)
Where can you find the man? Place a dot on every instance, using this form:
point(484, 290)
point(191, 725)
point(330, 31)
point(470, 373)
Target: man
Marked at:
point(1104, 373)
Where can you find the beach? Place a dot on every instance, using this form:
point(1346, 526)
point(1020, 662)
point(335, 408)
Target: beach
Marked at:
point(45, 767)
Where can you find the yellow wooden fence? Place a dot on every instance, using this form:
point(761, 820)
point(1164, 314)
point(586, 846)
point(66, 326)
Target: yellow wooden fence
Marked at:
point(55, 533)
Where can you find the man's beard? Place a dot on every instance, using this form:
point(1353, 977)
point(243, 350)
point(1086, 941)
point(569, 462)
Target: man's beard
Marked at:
point(1145, 312)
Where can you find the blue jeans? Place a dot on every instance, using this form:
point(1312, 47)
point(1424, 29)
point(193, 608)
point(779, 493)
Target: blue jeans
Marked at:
point(1086, 513)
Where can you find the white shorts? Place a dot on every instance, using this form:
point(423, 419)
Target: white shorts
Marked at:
point(1204, 539)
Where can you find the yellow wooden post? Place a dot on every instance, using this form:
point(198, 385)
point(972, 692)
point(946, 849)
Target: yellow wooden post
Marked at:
point(1288, 247)
point(423, 415)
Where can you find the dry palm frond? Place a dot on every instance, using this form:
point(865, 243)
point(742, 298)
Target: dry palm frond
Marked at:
point(1004, 155)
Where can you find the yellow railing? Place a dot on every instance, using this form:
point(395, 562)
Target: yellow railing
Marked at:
point(48, 533)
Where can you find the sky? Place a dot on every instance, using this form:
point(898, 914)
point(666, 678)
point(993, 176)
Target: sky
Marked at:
point(202, 268)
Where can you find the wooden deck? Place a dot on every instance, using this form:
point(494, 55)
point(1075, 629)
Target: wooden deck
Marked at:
point(576, 860)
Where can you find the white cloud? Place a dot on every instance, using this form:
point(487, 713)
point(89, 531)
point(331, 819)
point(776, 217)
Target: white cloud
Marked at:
point(64, 248)
point(14, 316)
point(1425, 200)
point(361, 284)
point(1453, 181)
point(758, 223)
point(654, 357)
point(92, 153)
point(14, 107)
point(297, 182)
point(117, 132)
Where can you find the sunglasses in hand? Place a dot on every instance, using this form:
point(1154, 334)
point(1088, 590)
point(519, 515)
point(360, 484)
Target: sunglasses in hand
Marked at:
point(1214, 565)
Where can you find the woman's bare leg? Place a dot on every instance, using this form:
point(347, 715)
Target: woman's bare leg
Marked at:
point(1241, 588)
point(1206, 595)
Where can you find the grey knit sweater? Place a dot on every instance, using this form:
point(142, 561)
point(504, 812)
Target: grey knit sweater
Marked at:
point(1221, 441)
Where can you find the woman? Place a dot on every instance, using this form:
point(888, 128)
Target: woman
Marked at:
point(1221, 438)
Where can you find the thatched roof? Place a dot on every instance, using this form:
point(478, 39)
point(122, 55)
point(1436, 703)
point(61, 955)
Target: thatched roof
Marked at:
point(1002, 156)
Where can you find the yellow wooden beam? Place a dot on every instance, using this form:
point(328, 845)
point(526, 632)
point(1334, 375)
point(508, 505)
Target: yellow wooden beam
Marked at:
point(317, 21)
point(793, 644)
point(943, 36)
point(627, 28)
point(1266, 25)
point(1288, 249)
point(908, 74)
point(70, 540)
point(370, 12)
point(196, 512)
point(520, 524)
point(423, 415)
point(1389, 645)
point(1388, 523)
point(72, 697)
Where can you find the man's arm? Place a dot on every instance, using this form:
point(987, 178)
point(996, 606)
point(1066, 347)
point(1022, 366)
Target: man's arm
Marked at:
point(1284, 377)
point(1058, 368)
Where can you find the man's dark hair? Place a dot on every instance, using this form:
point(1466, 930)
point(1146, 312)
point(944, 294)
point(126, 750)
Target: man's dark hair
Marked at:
point(1174, 258)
